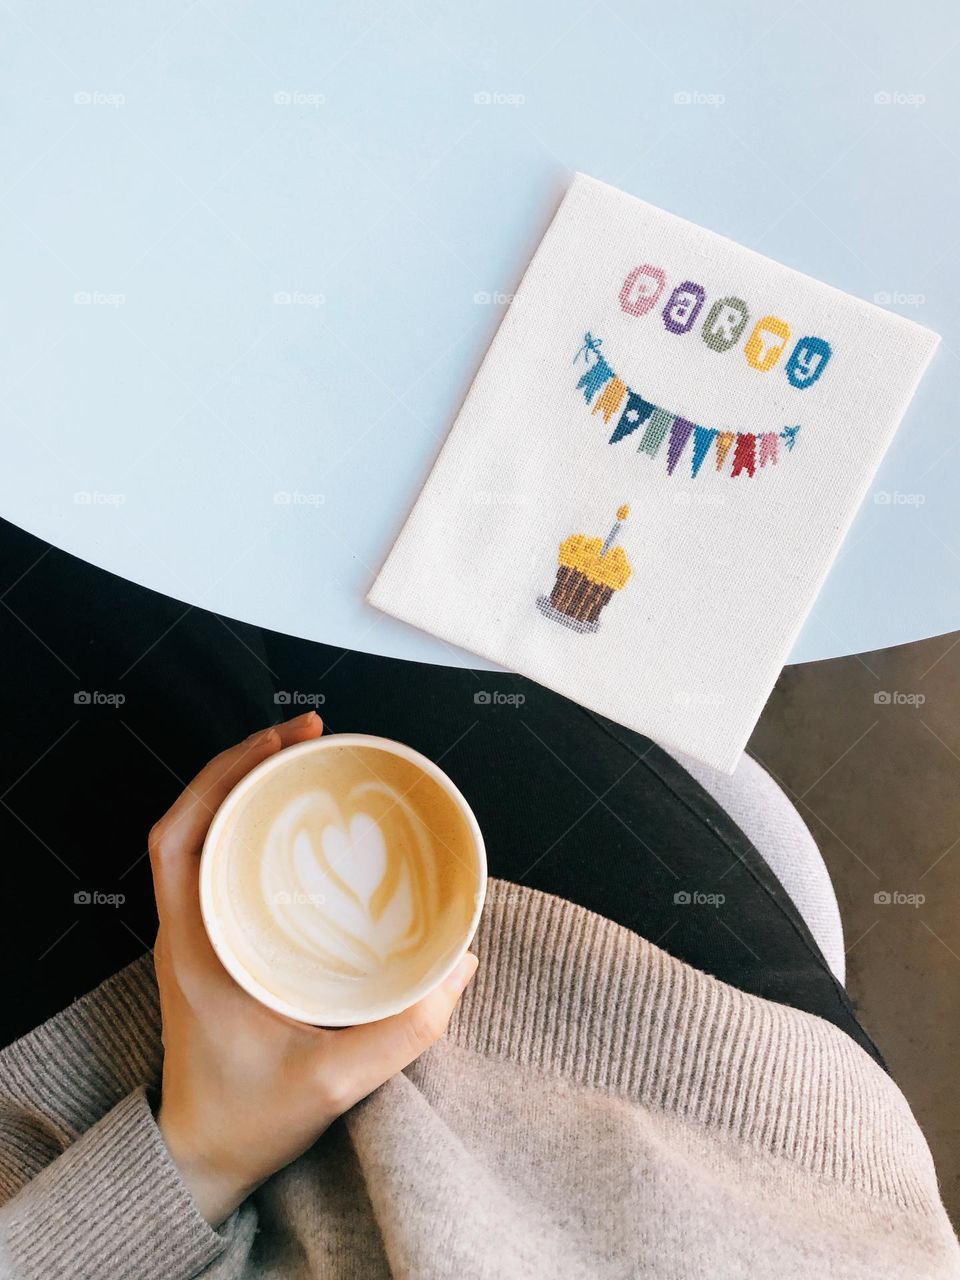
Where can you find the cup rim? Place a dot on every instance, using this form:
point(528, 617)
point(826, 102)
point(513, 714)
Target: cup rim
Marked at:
point(216, 934)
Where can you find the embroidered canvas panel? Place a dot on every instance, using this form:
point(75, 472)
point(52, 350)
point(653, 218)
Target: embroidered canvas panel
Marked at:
point(653, 471)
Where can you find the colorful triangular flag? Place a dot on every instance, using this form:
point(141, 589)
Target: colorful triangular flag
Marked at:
point(679, 435)
point(768, 448)
point(594, 378)
point(702, 440)
point(635, 412)
point(610, 398)
point(657, 428)
point(724, 440)
point(745, 457)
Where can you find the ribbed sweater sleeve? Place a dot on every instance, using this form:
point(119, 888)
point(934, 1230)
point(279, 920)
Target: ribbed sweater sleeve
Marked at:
point(86, 1183)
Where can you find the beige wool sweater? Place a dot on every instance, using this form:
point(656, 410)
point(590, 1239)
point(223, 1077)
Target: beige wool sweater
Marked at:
point(598, 1110)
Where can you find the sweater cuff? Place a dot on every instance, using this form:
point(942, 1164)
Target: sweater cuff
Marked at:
point(113, 1204)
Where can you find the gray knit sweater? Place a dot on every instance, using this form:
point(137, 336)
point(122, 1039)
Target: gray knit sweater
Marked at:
point(597, 1110)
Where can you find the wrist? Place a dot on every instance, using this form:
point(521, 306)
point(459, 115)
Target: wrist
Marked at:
point(216, 1189)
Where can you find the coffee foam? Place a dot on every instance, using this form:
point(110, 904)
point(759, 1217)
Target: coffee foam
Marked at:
point(346, 878)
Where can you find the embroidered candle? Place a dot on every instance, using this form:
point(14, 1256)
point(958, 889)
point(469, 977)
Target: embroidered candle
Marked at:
point(735, 409)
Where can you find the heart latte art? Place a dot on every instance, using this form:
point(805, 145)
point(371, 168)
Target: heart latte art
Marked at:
point(341, 890)
point(345, 878)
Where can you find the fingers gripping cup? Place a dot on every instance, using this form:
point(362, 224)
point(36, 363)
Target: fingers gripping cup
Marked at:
point(342, 880)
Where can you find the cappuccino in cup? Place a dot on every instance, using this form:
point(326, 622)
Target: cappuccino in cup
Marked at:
point(342, 879)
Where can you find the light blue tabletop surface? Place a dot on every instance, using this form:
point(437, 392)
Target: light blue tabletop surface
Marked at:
point(255, 250)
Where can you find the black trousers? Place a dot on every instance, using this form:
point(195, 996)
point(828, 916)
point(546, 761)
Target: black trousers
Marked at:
point(114, 696)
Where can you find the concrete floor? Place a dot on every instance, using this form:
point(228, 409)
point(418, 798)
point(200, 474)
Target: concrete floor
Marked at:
point(868, 749)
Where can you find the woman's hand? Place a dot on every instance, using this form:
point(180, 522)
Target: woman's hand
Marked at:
point(245, 1090)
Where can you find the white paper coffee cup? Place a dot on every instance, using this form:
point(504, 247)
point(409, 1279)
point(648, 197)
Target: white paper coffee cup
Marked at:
point(334, 1001)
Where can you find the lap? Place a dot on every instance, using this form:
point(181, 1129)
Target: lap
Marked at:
point(574, 805)
point(569, 803)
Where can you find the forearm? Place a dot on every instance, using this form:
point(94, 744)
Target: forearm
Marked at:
point(87, 1185)
point(114, 1204)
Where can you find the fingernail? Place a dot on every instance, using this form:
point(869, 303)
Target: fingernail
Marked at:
point(463, 972)
point(306, 718)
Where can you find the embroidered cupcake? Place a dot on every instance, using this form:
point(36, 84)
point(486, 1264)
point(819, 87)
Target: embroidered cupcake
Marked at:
point(589, 571)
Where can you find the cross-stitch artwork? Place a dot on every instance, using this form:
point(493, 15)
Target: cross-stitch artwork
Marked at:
point(653, 471)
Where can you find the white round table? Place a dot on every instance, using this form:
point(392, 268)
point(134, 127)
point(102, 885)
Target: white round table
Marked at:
point(253, 258)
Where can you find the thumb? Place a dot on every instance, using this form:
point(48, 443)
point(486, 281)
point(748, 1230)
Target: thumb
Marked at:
point(368, 1055)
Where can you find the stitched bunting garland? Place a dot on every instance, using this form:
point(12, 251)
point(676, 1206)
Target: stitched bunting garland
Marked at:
point(752, 450)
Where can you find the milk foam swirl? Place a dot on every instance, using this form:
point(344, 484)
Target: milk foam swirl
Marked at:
point(349, 885)
point(340, 883)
